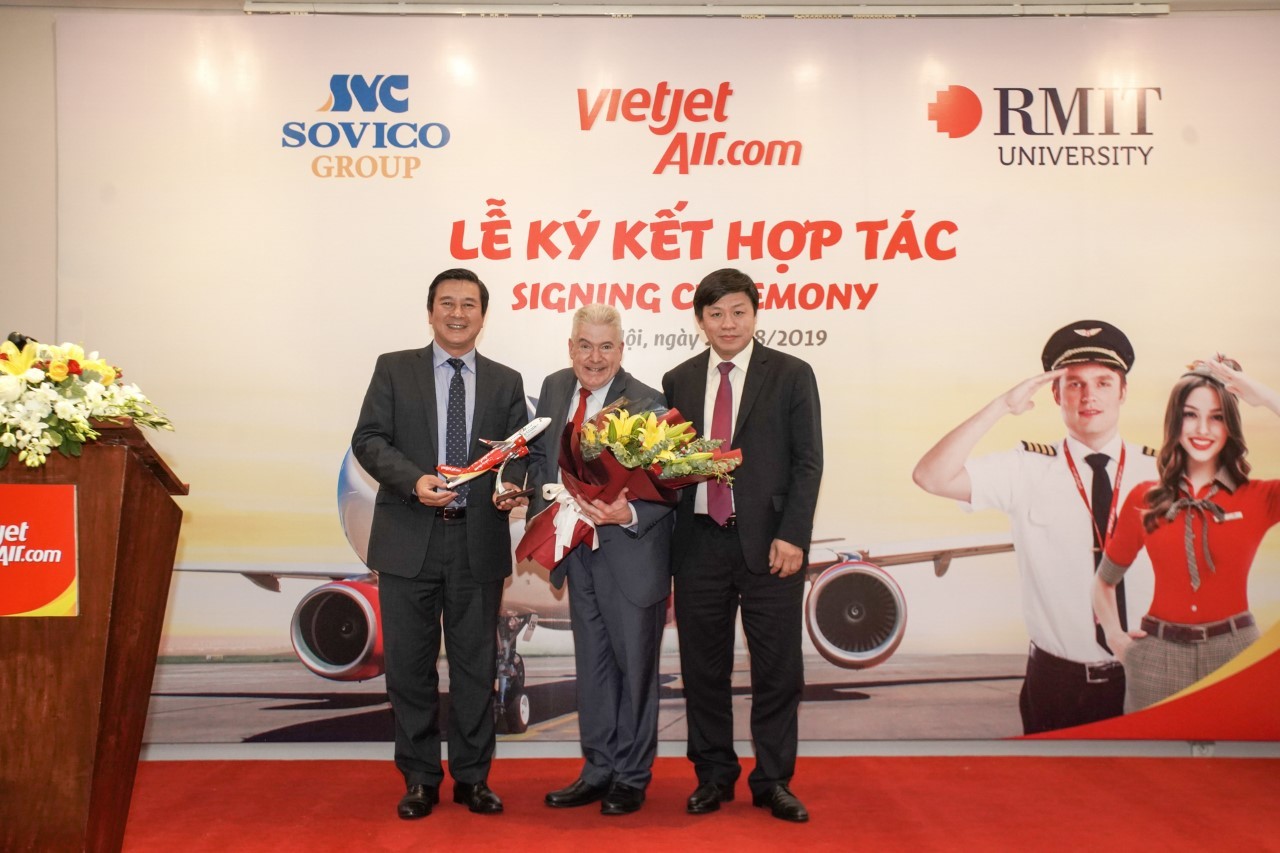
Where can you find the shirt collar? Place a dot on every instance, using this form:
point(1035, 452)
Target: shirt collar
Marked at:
point(1222, 478)
point(599, 394)
point(439, 357)
point(1079, 450)
point(740, 361)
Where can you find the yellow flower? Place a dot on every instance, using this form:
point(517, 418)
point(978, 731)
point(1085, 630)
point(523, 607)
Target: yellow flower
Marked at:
point(17, 363)
point(57, 371)
point(653, 432)
point(100, 367)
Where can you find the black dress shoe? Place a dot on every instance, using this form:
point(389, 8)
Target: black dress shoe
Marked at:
point(580, 793)
point(622, 799)
point(417, 802)
point(708, 796)
point(784, 804)
point(477, 797)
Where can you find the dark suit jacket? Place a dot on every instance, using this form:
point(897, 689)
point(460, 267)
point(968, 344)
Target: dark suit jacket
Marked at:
point(396, 439)
point(779, 431)
point(641, 560)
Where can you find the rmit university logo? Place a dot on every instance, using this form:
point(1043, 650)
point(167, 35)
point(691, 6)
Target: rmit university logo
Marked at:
point(1116, 121)
point(356, 95)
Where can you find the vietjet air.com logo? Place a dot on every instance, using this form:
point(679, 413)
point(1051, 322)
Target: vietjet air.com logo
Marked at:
point(356, 95)
point(1117, 121)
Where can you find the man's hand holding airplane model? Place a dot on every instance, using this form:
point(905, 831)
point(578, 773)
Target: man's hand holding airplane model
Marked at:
point(437, 491)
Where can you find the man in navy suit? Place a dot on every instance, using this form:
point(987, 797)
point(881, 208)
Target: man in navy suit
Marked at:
point(441, 555)
point(745, 547)
point(617, 592)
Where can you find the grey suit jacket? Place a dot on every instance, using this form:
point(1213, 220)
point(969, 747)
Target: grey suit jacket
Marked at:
point(641, 560)
point(396, 441)
point(779, 431)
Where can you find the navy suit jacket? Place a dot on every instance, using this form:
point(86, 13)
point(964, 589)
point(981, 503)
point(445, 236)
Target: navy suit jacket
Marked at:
point(779, 431)
point(641, 560)
point(396, 440)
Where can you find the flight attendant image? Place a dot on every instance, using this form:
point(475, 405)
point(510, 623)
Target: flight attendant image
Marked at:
point(1201, 523)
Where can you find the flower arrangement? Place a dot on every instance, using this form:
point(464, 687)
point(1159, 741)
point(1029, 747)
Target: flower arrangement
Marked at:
point(663, 444)
point(49, 395)
point(649, 455)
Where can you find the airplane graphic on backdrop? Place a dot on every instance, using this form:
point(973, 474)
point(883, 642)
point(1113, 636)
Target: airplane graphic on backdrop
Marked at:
point(855, 612)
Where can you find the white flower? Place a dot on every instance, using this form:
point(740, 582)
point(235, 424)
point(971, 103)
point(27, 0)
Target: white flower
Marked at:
point(34, 376)
point(10, 388)
point(67, 410)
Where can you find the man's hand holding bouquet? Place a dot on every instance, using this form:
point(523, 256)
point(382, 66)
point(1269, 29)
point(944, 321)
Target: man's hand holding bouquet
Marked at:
point(649, 455)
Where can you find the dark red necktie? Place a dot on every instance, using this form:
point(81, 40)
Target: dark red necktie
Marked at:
point(581, 414)
point(719, 496)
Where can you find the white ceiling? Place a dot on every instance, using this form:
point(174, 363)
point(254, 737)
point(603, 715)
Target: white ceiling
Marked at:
point(1175, 6)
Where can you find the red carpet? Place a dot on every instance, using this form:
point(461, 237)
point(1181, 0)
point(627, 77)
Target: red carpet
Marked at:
point(872, 804)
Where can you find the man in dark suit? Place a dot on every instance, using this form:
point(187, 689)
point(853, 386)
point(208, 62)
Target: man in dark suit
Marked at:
point(746, 546)
point(441, 555)
point(617, 592)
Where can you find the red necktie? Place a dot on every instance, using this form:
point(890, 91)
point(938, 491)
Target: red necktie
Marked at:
point(581, 414)
point(719, 496)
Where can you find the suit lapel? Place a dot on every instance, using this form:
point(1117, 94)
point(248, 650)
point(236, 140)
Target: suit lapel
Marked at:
point(481, 418)
point(698, 391)
point(757, 375)
point(618, 388)
point(425, 374)
point(558, 405)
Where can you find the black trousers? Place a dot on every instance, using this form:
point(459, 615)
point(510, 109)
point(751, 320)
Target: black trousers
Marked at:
point(710, 588)
point(1058, 694)
point(444, 594)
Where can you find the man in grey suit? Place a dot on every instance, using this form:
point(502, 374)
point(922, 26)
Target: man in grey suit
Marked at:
point(745, 547)
point(441, 555)
point(618, 592)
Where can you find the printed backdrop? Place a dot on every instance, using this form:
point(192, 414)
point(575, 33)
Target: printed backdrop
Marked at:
point(251, 209)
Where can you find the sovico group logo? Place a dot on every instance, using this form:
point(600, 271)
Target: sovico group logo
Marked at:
point(1043, 127)
point(351, 92)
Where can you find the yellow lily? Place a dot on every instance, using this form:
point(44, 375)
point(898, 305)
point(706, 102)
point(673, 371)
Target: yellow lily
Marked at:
point(653, 432)
point(15, 362)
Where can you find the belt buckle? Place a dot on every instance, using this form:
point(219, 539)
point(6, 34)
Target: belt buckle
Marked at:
point(1103, 671)
point(1196, 633)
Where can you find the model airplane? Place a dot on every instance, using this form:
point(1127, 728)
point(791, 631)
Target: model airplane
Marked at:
point(513, 447)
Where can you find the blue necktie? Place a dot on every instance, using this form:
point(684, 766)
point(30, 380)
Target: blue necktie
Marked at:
point(455, 436)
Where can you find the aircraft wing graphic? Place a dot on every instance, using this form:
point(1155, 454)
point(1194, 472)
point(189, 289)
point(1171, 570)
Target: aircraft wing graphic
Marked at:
point(268, 575)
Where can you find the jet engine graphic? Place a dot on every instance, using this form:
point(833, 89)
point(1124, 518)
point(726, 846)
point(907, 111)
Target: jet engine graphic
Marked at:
point(856, 614)
point(335, 631)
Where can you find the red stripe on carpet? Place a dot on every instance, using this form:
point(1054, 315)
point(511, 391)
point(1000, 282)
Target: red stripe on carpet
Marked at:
point(974, 803)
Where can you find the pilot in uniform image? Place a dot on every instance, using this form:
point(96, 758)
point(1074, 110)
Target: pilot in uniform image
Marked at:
point(1063, 500)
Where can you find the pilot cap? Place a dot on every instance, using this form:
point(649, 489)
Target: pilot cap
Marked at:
point(1088, 341)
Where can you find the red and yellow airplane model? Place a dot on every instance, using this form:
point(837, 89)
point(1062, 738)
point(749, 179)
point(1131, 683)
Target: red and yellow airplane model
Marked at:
point(513, 447)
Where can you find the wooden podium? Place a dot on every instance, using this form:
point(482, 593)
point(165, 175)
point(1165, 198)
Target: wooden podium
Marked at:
point(74, 690)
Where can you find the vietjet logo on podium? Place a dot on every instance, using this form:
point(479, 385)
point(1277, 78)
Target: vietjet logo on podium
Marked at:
point(38, 567)
point(1085, 126)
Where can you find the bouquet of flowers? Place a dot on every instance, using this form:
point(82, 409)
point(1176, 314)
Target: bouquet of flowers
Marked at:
point(650, 455)
point(50, 394)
